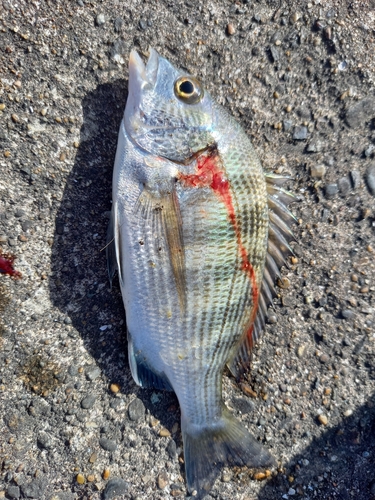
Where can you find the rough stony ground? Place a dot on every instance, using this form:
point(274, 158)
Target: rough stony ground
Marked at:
point(299, 76)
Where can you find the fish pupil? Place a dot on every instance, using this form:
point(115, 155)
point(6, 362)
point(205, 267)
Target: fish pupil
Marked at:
point(186, 87)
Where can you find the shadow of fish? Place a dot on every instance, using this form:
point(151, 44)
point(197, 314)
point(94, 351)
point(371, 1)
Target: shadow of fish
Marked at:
point(198, 234)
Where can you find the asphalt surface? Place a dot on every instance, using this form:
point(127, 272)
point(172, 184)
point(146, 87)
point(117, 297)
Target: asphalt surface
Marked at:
point(299, 77)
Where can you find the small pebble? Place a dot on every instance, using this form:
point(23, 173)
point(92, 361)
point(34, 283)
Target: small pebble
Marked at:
point(136, 410)
point(347, 313)
point(283, 282)
point(331, 190)
point(301, 350)
point(355, 178)
point(106, 474)
point(108, 444)
point(324, 358)
point(260, 476)
point(80, 478)
point(343, 185)
point(92, 372)
point(172, 449)
point(118, 24)
point(231, 29)
point(348, 412)
point(93, 458)
point(88, 402)
point(323, 419)
point(300, 133)
point(142, 24)
point(162, 480)
point(287, 125)
point(115, 388)
point(275, 55)
point(164, 432)
point(226, 476)
point(100, 19)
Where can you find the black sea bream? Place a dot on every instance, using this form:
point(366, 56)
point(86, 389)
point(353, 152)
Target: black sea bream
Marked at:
point(198, 234)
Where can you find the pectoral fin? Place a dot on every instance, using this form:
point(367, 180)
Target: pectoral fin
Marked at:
point(161, 210)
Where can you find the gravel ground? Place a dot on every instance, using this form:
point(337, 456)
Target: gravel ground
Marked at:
point(300, 78)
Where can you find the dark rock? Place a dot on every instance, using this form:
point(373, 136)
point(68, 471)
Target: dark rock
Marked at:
point(275, 56)
point(118, 24)
point(88, 402)
point(44, 440)
point(360, 112)
point(343, 185)
point(108, 444)
point(300, 133)
point(143, 24)
point(303, 112)
point(136, 410)
point(115, 403)
point(347, 313)
point(19, 213)
point(26, 225)
point(331, 190)
point(356, 178)
point(73, 370)
point(13, 492)
point(35, 489)
point(119, 48)
point(114, 489)
point(243, 405)
point(172, 449)
point(370, 179)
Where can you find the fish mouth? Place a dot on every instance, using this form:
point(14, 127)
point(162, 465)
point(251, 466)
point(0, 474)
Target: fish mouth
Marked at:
point(140, 74)
point(142, 77)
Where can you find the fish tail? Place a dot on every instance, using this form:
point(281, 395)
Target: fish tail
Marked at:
point(225, 443)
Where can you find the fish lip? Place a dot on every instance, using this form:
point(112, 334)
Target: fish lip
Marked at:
point(140, 74)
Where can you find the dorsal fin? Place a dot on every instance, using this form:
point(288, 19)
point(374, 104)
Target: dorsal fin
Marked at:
point(279, 237)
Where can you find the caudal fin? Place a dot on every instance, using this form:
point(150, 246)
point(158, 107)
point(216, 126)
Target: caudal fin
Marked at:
point(227, 442)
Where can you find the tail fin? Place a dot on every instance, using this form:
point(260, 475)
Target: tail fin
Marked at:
point(207, 450)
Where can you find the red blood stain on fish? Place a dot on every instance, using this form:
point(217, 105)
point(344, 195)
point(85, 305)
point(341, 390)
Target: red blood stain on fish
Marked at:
point(6, 265)
point(210, 174)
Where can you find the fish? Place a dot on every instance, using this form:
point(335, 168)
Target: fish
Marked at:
point(198, 234)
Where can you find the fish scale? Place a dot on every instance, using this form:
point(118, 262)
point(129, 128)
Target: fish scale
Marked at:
point(189, 235)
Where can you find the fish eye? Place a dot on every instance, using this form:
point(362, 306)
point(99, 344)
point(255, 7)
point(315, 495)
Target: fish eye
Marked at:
point(188, 90)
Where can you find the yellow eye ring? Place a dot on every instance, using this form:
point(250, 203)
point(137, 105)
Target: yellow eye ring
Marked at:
point(188, 90)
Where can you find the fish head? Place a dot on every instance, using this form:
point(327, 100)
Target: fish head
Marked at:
point(168, 113)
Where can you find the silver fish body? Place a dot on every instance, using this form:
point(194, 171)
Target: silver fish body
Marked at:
point(190, 225)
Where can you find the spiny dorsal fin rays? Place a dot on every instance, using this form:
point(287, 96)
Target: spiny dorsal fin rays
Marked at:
point(279, 249)
point(162, 212)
